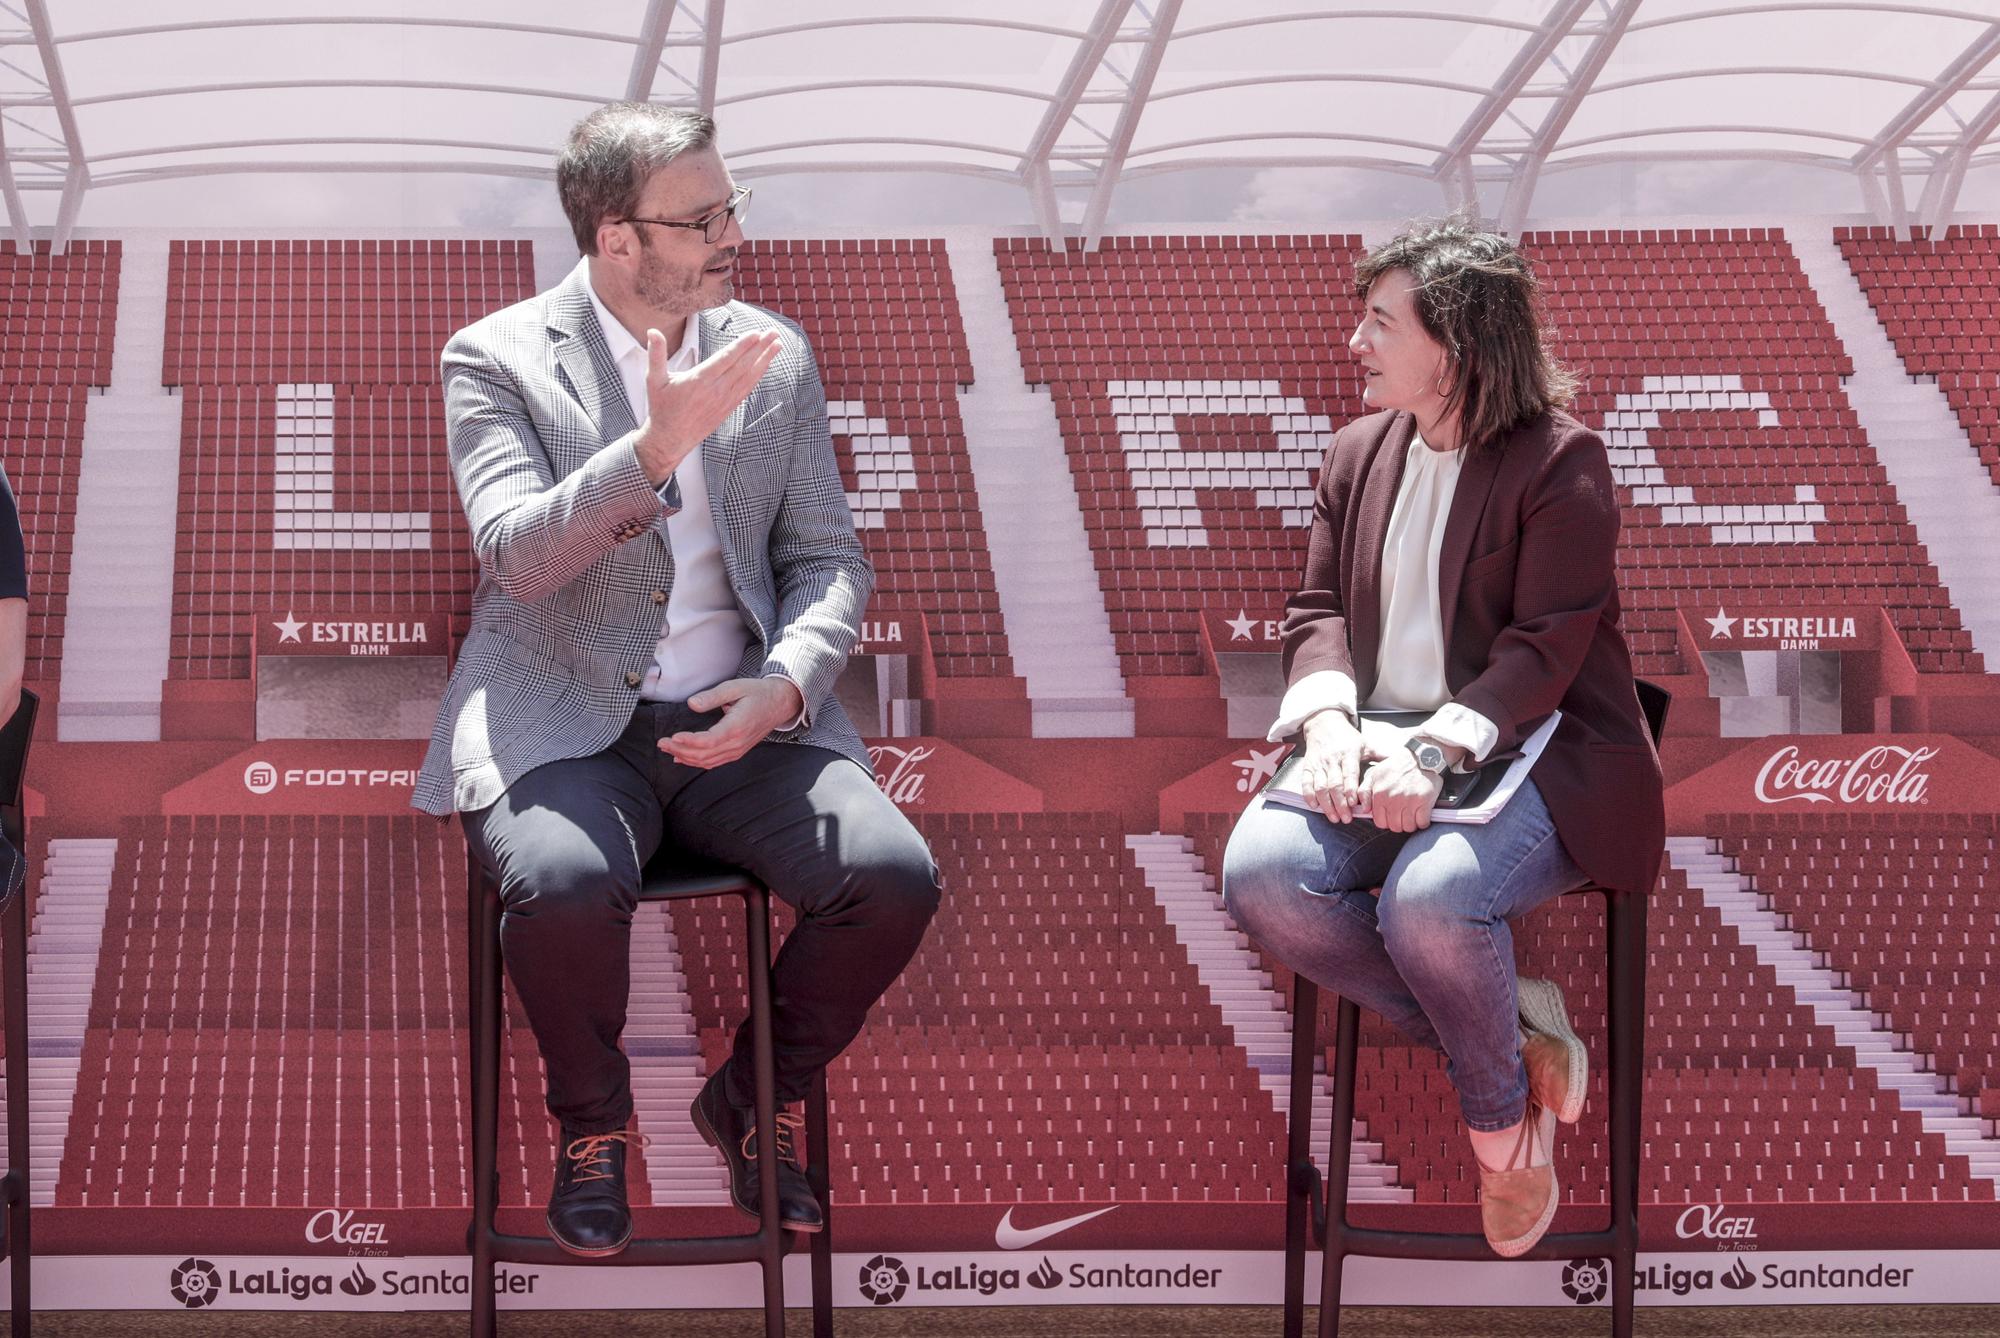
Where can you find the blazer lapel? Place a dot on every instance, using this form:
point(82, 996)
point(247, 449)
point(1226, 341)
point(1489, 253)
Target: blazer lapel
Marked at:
point(584, 358)
point(1371, 529)
point(718, 453)
point(1468, 503)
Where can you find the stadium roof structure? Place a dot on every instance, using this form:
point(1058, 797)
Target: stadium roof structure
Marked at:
point(1064, 98)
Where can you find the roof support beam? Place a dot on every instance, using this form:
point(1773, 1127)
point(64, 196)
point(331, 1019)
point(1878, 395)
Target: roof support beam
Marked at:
point(1533, 55)
point(10, 193)
point(652, 41)
point(1950, 81)
point(1575, 87)
point(1136, 90)
point(1940, 195)
point(697, 84)
point(1461, 186)
point(711, 56)
point(1089, 55)
point(1042, 195)
point(76, 176)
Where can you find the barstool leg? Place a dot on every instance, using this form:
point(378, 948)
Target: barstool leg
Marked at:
point(1299, 1170)
point(20, 1252)
point(485, 1020)
point(1626, 985)
point(757, 912)
point(818, 1175)
point(1339, 1144)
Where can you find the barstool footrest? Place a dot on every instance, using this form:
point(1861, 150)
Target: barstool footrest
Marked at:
point(1464, 1245)
point(655, 1251)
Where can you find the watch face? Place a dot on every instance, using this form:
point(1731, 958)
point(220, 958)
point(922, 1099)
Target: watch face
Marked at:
point(1429, 756)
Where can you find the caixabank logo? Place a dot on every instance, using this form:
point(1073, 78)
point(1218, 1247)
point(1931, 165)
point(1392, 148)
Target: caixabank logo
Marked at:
point(886, 1279)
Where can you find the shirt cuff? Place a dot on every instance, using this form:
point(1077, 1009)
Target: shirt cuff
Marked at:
point(669, 494)
point(803, 720)
point(1321, 690)
point(1462, 727)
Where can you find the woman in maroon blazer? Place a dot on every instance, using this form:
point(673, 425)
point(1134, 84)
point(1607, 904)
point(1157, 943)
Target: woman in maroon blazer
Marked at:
point(1461, 565)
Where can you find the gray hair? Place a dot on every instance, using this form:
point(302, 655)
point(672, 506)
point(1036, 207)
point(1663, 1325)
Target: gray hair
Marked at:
point(611, 153)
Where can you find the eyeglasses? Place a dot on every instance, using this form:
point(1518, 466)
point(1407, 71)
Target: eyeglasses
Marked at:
point(711, 226)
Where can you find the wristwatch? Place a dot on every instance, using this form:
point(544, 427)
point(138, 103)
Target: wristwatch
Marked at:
point(1429, 756)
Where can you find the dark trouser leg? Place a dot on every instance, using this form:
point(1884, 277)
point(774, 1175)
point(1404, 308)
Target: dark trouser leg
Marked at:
point(824, 838)
point(566, 842)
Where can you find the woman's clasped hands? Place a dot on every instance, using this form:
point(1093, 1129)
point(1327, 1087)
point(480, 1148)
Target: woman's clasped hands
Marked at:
point(1396, 794)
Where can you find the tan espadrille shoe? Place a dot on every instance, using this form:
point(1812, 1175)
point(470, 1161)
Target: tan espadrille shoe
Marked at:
point(1558, 1065)
point(1518, 1201)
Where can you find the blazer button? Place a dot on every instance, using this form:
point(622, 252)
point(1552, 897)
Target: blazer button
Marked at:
point(659, 596)
point(633, 680)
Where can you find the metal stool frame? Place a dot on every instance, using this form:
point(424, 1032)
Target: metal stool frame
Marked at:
point(15, 1241)
point(665, 878)
point(1326, 1216)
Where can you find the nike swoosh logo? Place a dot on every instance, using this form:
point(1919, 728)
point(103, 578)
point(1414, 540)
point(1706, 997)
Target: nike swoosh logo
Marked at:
point(1010, 1237)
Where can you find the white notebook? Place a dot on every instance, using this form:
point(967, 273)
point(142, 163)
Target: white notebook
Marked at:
point(1389, 729)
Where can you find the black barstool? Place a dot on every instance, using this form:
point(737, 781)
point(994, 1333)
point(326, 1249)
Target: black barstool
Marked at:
point(1327, 1218)
point(15, 737)
point(668, 877)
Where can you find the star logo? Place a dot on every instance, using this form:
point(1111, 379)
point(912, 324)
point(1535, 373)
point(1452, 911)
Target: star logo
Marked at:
point(1719, 626)
point(1258, 767)
point(1242, 627)
point(288, 630)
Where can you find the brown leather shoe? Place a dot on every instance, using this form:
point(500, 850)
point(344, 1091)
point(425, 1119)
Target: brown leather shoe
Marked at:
point(1558, 1065)
point(1518, 1201)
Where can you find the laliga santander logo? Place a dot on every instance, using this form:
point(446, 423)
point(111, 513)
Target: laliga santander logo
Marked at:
point(903, 783)
point(1864, 779)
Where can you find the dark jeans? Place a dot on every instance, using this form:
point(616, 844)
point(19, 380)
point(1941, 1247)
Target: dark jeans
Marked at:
point(567, 841)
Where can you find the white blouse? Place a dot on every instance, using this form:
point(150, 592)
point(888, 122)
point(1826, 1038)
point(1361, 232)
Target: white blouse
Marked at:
point(1409, 666)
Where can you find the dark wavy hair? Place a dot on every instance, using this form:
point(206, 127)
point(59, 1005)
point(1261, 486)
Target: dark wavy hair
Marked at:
point(1477, 295)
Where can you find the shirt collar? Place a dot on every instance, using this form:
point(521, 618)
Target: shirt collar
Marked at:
point(623, 345)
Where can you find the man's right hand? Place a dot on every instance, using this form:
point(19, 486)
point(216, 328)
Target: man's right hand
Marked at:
point(1330, 774)
point(682, 408)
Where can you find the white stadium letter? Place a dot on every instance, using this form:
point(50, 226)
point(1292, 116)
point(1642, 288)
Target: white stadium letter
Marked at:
point(1168, 478)
point(1635, 465)
point(304, 514)
point(884, 465)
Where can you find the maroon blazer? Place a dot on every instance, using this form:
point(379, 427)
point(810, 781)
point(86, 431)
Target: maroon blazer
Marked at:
point(1527, 587)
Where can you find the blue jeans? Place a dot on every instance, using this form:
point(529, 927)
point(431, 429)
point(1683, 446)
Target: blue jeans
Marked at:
point(1433, 954)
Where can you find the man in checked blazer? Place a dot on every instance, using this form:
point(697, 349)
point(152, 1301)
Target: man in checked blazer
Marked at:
point(669, 585)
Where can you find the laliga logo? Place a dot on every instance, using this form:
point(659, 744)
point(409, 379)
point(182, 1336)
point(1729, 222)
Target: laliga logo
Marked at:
point(1863, 779)
point(904, 784)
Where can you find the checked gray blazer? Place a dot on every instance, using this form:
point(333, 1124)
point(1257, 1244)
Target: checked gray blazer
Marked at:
point(574, 563)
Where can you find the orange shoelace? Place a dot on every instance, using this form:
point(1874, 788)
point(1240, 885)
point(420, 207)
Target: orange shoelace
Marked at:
point(592, 1152)
point(787, 1122)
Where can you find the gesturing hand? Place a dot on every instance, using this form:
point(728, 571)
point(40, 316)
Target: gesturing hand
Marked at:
point(751, 709)
point(682, 408)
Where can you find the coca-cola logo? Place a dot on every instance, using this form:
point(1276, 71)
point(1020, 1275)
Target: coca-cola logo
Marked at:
point(902, 782)
point(1883, 774)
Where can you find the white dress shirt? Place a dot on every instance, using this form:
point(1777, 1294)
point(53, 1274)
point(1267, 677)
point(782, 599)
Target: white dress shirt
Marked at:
point(702, 633)
point(1409, 666)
